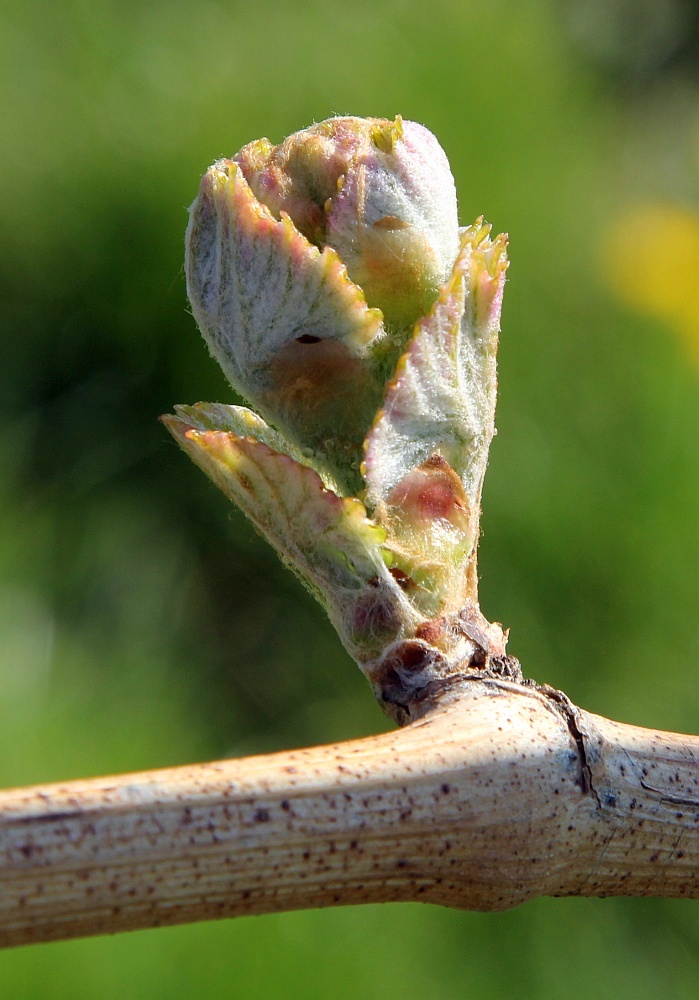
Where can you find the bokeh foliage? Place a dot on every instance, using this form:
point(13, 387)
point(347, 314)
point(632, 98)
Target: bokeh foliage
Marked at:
point(143, 624)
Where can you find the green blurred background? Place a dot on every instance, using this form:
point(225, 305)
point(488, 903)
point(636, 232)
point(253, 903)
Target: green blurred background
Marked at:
point(144, 624)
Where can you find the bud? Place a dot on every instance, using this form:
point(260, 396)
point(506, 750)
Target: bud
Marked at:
point(330, 280)
point(295, 256)
point(378, 192)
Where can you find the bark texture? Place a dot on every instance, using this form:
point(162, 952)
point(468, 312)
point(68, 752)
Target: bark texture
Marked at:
point(503, 792)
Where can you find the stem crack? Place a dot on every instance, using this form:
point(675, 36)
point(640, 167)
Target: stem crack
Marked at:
point(571, 714)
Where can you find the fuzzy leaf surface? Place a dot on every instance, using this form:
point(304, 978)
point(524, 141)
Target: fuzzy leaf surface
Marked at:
point(286, 324)
point(441, 400)
point(326, 539)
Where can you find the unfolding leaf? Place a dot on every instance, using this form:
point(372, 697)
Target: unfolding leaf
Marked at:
point(436, 423)
point(286, 324)
point(442, 397)
point(394, 220)
point(242, 422)
point(328, 540)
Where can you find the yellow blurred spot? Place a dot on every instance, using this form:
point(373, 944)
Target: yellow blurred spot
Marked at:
point(651, 262)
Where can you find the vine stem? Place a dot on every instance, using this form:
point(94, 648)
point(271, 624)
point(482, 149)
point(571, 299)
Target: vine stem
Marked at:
point(499, 794)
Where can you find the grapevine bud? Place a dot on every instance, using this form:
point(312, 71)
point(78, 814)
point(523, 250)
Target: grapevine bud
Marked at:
point(331, 281)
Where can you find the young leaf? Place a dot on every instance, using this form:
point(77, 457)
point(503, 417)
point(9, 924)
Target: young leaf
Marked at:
point(286, 324)
point(326, 539)
point(438, 414)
